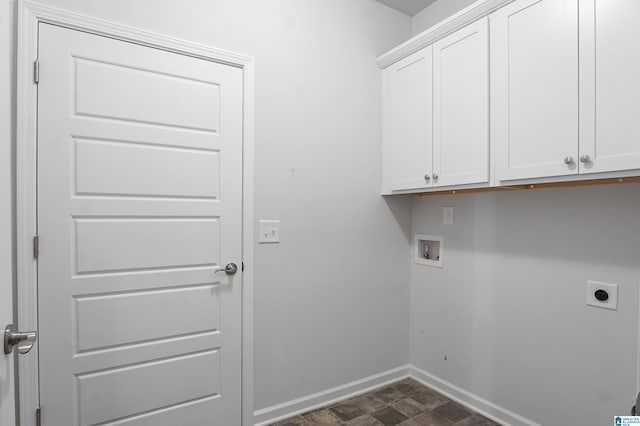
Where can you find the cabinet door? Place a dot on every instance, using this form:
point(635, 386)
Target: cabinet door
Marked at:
point(534, 88)
point(408, 120)
point(610, 85)
point(461, 107)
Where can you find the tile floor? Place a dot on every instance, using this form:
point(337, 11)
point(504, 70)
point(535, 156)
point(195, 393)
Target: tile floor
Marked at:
point(405, 403)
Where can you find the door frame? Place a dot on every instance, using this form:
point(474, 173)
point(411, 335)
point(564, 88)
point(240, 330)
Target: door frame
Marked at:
point(30, 14)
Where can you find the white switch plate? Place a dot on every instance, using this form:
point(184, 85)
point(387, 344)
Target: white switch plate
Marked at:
point(447, 215)
point(612, 289)
point(269, 231)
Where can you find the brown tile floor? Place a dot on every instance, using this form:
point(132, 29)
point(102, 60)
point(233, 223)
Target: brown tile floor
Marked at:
point(405, 403)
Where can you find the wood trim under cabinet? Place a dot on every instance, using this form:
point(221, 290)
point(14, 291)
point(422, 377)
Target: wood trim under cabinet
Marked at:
point(589, 182)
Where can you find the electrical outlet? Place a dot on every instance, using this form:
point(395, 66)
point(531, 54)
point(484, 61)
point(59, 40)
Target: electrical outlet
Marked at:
point(602, 295)
point(269, 231)
point(447, 215)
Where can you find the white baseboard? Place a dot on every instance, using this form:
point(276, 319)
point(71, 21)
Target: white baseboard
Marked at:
point(291, 408)
point(486, 408)
point(282, 411)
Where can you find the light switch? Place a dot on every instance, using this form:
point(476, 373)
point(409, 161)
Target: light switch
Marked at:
point(269, 231)
point(447, 215)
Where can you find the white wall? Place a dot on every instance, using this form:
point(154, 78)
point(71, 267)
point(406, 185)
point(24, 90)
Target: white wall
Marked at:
point(436, 12)
point(331, 301)
point(508, 308)
point(6, 182)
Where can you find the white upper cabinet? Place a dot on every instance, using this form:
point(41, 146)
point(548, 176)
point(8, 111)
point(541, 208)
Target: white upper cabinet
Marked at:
point(534, 88)
point(461, 107)
point(436, 112)
point(407, 118)
point(533, 92)
point(610, 85)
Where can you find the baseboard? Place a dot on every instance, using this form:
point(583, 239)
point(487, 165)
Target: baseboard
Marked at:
point(291, 408)
point(486, 408)
point(282, 411)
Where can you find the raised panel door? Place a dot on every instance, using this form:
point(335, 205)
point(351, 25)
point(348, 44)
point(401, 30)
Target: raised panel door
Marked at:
point(139, 203)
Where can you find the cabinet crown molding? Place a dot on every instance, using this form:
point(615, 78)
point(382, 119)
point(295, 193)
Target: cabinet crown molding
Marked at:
point(473, 12)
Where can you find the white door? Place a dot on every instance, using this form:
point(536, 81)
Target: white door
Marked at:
point(610, 66)
point(407, 127)
point(139, 200)
point(534, 88)
point(461, 106)
point(7, 402)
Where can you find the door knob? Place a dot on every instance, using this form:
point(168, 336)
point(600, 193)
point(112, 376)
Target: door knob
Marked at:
point(230, 269)
point(24, 341)
point(568, 160)
point(427, 178)
point(585, 158)
point(435, 176)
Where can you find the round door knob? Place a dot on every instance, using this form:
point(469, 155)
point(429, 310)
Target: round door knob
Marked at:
point(427, 178)
point(435, 176)
point(585, 158)
point(568, 160)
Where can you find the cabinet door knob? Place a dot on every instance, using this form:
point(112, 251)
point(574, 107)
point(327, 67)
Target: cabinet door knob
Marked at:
point(427, 178)
point(568, 160)
point(585, 158)
point(435, 176)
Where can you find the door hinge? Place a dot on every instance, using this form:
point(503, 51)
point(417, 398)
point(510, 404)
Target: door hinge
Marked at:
point(36, 246)
point(38, 417)
point(36, 71)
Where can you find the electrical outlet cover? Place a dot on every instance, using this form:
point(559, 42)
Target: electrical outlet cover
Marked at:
point(612, 291)
point(447, 215)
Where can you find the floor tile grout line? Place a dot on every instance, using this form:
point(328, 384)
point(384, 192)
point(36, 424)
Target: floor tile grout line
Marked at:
point(389, 398)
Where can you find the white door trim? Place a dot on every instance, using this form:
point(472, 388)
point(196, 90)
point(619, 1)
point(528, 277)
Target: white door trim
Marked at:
point(30, 14)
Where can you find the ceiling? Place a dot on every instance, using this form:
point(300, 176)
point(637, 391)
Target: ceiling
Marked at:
point(410, 7)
